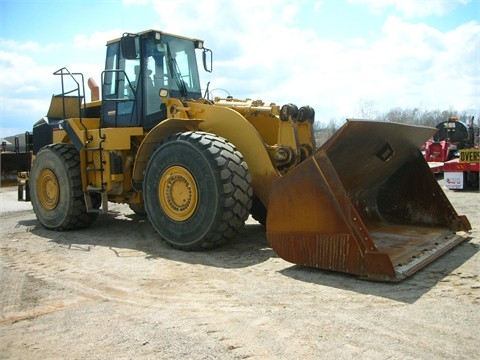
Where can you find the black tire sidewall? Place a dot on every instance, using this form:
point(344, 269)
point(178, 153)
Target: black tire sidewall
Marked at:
point(47, 158)
point(209, 187)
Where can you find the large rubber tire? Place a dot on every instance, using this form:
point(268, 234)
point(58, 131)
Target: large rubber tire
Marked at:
point(56, 189)
point(197, 191)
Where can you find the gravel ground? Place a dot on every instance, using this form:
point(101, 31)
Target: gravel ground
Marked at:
point(115, 291)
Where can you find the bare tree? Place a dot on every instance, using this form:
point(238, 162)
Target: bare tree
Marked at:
point(367, 110)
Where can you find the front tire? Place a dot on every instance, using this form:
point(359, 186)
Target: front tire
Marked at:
point(56, 189)
point(197, 191)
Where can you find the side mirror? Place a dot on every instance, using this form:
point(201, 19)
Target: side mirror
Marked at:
point(207, 57)
point(130, 46)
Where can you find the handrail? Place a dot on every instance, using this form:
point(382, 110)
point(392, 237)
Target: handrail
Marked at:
point(79, 90)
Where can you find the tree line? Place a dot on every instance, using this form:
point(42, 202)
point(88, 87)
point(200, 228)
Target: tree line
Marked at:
point(411, 116)
point(431, 118)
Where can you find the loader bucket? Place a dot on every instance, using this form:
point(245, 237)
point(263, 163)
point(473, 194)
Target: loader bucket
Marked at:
point(365, 203)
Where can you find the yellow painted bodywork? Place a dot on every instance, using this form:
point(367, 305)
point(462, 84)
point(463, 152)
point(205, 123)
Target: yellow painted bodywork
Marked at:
point(154, 137)
point(270, 146)
point(100, 145)
point(254, 129)
point(231, 125)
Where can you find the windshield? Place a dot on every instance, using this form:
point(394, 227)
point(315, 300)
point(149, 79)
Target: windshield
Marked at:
point(172, 65)
point(131, 84)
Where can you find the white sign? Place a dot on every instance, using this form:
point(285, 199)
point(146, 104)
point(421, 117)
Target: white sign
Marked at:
point(453, 180)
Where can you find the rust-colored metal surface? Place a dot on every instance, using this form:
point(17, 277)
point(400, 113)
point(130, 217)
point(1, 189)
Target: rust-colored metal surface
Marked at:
point(365, 203)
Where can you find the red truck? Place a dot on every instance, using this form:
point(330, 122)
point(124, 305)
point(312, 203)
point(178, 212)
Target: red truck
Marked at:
point(452, 135)
point(454, 151)
point(462, 172)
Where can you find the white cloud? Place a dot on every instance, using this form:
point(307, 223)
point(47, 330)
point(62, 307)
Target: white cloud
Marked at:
point(135, 2)
point(435, 68)
point(27, 85)
point(28, 46)
point(22, 96)
point(260, 53)
point(412, 8)
point(95, 41)
point(18, 108)
point(266, 52)
point(318, 5)
point(21, 74)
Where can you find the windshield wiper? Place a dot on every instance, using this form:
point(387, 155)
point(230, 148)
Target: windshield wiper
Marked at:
point(176, 74)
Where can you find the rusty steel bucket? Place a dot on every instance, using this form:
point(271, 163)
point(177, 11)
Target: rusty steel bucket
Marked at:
point(365, 203)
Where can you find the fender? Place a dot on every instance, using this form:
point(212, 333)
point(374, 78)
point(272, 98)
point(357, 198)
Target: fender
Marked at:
point(152, 139)
point(231, 125)
point(217, 120)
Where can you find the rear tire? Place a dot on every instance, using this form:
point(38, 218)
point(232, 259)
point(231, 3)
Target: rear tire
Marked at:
point(197, 191)
point(56, 189)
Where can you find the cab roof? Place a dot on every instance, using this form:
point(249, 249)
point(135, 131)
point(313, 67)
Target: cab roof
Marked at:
point(155, 31)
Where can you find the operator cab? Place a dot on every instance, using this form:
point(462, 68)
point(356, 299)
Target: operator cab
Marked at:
point(137, 67)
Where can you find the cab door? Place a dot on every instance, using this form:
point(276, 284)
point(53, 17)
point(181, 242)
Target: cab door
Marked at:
point(121, 89)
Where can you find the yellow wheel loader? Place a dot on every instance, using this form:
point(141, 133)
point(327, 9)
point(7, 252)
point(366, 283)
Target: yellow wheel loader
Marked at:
point(364, 203)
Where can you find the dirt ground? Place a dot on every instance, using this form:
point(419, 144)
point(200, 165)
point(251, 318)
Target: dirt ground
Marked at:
point(115, 291)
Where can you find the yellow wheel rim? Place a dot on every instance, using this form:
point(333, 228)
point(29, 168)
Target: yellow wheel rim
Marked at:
point(48, 189)
point(178, 193)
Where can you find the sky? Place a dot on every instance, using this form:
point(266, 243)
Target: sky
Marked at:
point(337, 56)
